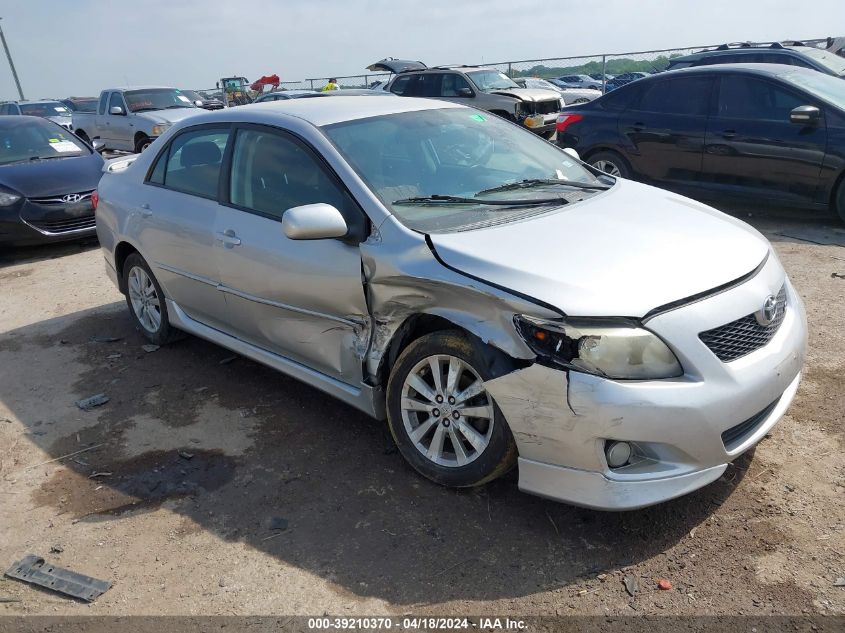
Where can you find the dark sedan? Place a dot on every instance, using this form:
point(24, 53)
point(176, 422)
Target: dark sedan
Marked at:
point(746, 132)
point(47, 179)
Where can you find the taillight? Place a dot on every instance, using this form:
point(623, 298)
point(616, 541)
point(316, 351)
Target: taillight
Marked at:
point(95, 199)
point(565, 120)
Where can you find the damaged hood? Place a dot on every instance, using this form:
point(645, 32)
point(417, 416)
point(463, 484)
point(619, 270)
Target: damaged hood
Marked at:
point(529, 94)
point(620, 253)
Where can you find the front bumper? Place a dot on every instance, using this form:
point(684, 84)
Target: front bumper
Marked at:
point(540, 123)
point(675, 425)
point(40, 222)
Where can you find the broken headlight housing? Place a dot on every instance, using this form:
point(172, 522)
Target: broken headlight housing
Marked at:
point(606, 348)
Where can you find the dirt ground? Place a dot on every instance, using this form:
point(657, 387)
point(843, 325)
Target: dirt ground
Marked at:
point(179, 480)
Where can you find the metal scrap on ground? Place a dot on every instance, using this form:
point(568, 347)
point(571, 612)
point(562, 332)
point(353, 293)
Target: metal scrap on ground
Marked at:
point(86, 404)
point(35, 570)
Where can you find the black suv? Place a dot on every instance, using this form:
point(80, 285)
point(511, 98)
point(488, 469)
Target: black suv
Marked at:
point(795, 54)
point(754, 132)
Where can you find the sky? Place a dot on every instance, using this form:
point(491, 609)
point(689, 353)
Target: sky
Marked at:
point(78, 48)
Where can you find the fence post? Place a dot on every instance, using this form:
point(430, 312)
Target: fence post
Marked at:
point(311, 81)
point(510, 71)
point(603, 74)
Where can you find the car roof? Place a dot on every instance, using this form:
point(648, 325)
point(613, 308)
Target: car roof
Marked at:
point(36, 101)
point(125, 88)
point(741, 50)
point(320, 112)
point(759, 69)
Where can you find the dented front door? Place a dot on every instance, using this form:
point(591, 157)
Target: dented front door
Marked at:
point(301, 299)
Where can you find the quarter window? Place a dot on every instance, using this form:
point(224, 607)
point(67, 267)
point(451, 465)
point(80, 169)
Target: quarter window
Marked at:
point(193, 162)
point(742, 97)
point(403, 84)
point(272, 173)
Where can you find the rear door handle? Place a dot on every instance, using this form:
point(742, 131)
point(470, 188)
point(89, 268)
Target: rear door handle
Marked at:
point(146, 211)
point(728, 133)
point(228, 238)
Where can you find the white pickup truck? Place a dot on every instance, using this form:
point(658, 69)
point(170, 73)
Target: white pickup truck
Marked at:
point(129, 119)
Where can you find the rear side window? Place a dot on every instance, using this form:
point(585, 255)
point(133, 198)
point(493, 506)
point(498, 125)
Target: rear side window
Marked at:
point(619, 99)
point(428, 85)
point(683, 95)
point(103, 101)
point(192, 162)
point(403, 84)
point(742, 97)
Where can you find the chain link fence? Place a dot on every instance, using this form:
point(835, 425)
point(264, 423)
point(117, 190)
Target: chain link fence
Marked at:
point(600, 67)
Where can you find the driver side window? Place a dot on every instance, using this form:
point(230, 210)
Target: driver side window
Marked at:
point(116, 101)
point(453, 83)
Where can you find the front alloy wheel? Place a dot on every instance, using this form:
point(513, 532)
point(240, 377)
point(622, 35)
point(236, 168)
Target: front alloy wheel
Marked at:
point(444, 421)
point(446, 411)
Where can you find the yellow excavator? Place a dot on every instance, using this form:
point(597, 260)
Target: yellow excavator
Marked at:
point(238, 90)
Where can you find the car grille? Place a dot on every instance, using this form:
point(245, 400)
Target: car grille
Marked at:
point(65, 226)
point(743, 336)
point(736, 435)
point(546, 107)
point(83, 195)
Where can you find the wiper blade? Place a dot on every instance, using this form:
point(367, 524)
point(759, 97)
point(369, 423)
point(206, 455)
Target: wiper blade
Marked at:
point(438, 199)
point(537, 182)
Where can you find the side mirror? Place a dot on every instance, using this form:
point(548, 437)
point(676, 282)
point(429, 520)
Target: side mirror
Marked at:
point(464, 92)
point(805, 115)
point(115, 110)
point(314, 222)
point(98, 145)
point(571, 152)
point(198, 103)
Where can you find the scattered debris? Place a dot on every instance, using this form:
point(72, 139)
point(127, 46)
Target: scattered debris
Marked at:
point(839, 582)
point(224, 582)
point(35, 570)
point(836, 276)
point(200, 389)
point(56, 549)
point(56, 459)
point(113, 356)
point(692, 532)
point(186, 455)
point(278, 523)
point(7, 600)
point(664, 585)
point(106, 339)
point(602, 577)
point(103, 474)
point(149, 348)
point(86, 404)
point(553, 523)
point(631, 584)
point(227, 360)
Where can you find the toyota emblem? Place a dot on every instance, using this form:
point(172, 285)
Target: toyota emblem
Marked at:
point(768, 313)
point(72, 197)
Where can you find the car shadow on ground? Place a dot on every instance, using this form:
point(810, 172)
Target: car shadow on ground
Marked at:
point(255, 457)
point(12, 256)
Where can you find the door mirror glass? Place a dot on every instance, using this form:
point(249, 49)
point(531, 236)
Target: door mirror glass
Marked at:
point(116, 110)
point(805, 115)
point(571, 152)
point(313, 222)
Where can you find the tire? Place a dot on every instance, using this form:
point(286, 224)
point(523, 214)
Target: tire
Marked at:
point(142, 143)
point(145, 300)
point(610, 163)
point(839, 200)
point(451, 448)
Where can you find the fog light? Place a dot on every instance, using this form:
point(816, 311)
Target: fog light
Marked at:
point(618, 454)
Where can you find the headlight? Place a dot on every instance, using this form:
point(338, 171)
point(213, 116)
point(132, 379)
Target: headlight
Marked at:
point(8, 198)
point(608, 349)
point(158, 130)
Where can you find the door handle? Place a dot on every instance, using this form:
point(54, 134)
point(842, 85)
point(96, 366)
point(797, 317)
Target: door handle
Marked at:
point(728, 133)
point(145, 210)
point(228, 238)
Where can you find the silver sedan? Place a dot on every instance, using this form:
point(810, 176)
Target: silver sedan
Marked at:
point(498, 302)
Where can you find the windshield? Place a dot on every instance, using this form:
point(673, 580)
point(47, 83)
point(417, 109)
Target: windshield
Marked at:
point(491, 80)
point(828, 87)
point(193, 96)
point(541, 83)
point(456, 152)
point(832, 62)
point(156, 99)
point(33, 139)
point(47, 108)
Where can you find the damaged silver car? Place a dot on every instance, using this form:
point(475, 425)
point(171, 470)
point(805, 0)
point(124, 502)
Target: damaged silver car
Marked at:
point(497, 301)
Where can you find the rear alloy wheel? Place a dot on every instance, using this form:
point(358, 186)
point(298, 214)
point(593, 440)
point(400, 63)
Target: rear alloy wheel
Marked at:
point(610, 163)
point(441, 415)
point(146, 301)
point(141, 144)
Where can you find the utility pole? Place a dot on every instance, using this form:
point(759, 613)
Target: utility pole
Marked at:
point(11, 63)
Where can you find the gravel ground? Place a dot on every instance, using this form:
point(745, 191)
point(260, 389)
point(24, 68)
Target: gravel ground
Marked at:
point(181, 478)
